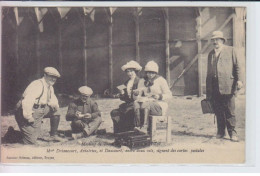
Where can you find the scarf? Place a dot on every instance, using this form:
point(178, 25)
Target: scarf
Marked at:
point(149, 82)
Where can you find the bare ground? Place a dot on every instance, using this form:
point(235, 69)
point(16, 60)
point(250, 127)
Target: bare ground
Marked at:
point(189, 125)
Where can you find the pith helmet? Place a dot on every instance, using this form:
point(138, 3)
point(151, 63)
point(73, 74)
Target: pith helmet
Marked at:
point(151, 66)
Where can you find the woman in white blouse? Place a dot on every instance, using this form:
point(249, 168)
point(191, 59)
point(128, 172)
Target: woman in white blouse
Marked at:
point(123, 117)
point(153, 92)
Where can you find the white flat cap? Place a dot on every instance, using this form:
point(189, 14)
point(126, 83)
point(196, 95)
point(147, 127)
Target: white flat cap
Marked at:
point(85, 90)
point(132, 64)
point(51, 71)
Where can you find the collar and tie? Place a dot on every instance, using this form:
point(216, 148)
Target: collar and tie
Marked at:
point(48, 94)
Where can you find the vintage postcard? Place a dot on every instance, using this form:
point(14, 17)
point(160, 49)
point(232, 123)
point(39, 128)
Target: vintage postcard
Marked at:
point(123, 84)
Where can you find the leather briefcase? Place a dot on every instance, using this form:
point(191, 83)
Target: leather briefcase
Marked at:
point(132, 139)
point(206, 107)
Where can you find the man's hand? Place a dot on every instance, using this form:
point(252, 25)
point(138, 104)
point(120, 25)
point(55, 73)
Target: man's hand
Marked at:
point(54, 107)
point(87, 116)
point(239, 85)
point(83, 116)
point(79, 115)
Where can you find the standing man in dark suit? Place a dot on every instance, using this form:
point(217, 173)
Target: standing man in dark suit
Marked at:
point(223, 81)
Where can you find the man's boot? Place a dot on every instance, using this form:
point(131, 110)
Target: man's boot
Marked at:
point(220, 134)
point(116, 124)
point(54, 123)
point(221, 128)
point(77, 135)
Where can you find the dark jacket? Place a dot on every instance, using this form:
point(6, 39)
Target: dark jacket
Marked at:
point(228, 71)
point(125, 96)
point(89, 107)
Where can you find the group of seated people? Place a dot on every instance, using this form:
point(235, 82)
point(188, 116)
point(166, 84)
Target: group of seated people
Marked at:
point(142, 97)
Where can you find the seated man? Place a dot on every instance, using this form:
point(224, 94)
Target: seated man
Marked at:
point(84, 114)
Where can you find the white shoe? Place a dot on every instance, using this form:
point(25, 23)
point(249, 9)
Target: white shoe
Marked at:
point(77, 135)
point(141, 129)
point(234, 138)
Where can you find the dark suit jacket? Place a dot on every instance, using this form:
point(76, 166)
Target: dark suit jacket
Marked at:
point(228, 71)
point(77, 105)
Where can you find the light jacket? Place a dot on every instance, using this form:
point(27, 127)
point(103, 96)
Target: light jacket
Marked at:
point(228, 71)
point(160, 87)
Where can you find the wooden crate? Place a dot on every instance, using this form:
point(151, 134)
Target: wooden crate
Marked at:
point(160, 128)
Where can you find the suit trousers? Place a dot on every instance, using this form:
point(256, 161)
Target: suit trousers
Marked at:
point(224, 108)
point(89, 126)
point(31, 131)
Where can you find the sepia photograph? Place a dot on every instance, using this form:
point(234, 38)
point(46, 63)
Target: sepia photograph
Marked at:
point(123, 84)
